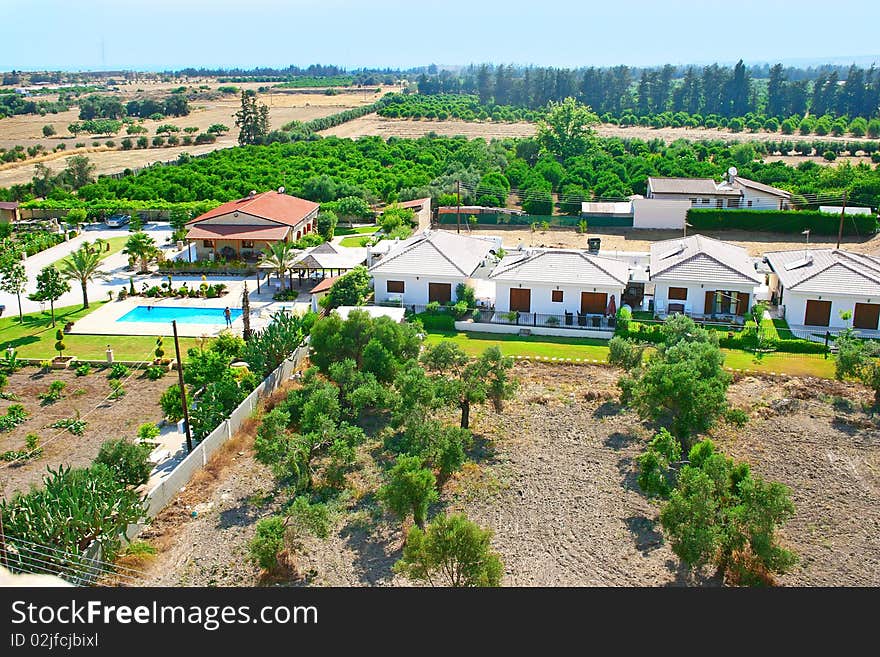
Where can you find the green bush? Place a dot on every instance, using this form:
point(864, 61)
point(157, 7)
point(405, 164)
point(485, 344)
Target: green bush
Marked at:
point(172, 405)
point(130, 462)
point(155, 372)
point(118, 371)
point(83, 370)
point(268, 541)
point(436, 322)
point(779, 221)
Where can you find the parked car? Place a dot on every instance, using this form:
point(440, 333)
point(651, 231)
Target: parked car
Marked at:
point(118, 220)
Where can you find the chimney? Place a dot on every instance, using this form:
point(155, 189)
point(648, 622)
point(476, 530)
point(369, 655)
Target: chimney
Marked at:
point(252, 193)
point(281, 189)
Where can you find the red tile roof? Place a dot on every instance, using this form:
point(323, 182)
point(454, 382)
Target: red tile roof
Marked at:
point(417, 203)
point(228, 232)
point(324, 285)
point(281, 208)
point(8, 205)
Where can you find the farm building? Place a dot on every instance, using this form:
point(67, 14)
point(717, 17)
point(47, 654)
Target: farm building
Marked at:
point(733, 192)
point(702, 276)
point(9, 212)
point(241, 229)
point(814, 288)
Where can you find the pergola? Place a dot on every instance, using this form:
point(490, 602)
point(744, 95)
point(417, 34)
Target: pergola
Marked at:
point(329, 259)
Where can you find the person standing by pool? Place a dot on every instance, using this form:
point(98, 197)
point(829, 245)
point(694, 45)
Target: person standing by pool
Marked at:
point(228, 315)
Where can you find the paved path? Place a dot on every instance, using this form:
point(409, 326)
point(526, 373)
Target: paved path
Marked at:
point(114, 267)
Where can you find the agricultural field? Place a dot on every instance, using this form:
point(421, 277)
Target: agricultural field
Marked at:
point(375, 125)
point(285, 105)
point(84, 398)
point(554, 477)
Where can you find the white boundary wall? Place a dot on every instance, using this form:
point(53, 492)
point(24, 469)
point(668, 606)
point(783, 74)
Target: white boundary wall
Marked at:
point(168, 488)
point(534, 330)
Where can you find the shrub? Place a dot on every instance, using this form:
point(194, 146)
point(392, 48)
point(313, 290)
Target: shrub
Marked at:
point(130, 462)
point(118, 371)
point(829, 156)
point(156, 372)
point(148, 431)
point(625, 353)
point(268, 541)
point(172, 405)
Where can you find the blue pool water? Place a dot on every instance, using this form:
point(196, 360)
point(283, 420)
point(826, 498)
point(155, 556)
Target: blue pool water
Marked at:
point(182, 315)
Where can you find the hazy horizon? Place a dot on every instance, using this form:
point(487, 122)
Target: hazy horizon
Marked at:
point(176, 34)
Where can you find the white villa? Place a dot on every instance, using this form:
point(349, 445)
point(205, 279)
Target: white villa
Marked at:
point(813, 288)
point(430, 265)
point(702, 276)
point(562, 282)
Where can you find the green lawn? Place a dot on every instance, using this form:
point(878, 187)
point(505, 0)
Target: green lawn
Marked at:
point(359, 230)
point(593, 349)
point(518, 345)
point(116, 245)
point(36, 337)
point(353, 241)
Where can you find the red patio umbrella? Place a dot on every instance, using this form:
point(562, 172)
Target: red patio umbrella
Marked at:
point(612, 307)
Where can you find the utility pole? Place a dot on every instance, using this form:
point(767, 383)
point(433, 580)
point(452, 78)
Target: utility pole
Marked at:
point(189, 444)
point(842, 212)
point(458, 212)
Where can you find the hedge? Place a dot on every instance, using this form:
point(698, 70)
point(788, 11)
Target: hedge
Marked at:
point(780, 221)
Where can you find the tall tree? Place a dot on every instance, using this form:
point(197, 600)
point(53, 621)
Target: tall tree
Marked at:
point(13, 279)
point(245, 313)
point(82, 265)
point(567, 128)
point(252, 119)
point(50, 287)
point(776, 92)
point(79, 171)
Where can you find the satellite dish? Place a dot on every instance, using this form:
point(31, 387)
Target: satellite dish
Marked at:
point(732, 172)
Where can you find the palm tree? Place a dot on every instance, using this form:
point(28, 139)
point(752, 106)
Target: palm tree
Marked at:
point(141, 246)
point(280, 257)
point(82, 265)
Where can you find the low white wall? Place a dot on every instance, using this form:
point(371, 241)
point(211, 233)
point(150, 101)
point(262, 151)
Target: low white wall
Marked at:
point(476, 327)
point(168, 488)
point(659, 213)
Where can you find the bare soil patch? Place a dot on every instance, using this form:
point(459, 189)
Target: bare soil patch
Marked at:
point(555, 478)
point(631, 239)
point(106, 419)
point(374, 125)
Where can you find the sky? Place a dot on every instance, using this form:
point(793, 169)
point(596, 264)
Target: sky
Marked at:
point(174, 34)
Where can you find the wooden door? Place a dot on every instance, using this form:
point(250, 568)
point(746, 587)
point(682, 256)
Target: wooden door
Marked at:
point(709, 308)
point(818, 313)
point(520, 299)
point(440, 292)
point(594, 302)
point(866, 316)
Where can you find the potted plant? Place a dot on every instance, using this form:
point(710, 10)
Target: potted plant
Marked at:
point(60, 362)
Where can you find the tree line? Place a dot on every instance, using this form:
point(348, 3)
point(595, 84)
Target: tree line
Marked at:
point(720, 90)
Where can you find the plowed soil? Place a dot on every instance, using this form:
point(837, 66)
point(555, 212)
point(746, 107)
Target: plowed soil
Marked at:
point(555, 479)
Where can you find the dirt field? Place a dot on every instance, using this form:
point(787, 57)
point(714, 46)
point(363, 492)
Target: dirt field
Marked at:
point(555, 480)
point(284, 106)
point(373, 124)
point(629, 239)
point(111, 419)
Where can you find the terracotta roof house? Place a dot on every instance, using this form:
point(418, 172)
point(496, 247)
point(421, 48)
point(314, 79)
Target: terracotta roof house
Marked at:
point(733, 192)
point(562, 284)
point(429, 266)
point(241, 229)
point(702, 276)
point(814, 287)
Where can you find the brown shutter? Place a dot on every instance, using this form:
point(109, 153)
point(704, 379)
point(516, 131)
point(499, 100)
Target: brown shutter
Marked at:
point(742, 303)
point(709, 307)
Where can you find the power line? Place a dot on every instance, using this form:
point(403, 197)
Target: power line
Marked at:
point(62, 432)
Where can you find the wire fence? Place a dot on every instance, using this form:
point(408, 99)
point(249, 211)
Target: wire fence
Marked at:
point(21, 556)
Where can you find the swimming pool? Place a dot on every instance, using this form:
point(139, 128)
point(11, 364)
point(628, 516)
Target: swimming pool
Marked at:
point(183, 315)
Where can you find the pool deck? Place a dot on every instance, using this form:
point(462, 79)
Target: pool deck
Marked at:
point(105, 320)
